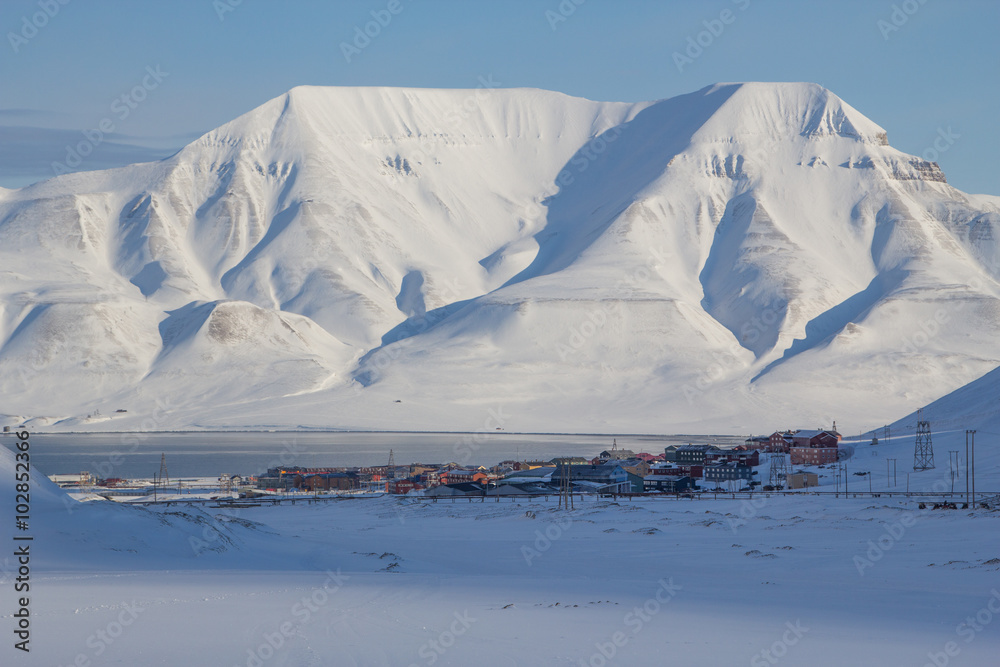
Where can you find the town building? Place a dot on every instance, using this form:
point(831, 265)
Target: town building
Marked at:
point(780, 442)
point(695, 454)
point(816, 438)
point(725, 472)
point(401, 486)
point(316, 482)
point(814, 447)
point(529, 476)
point(667, 484)
point(461, 476)
point(692, 471)
point(616, 455)
point(605, 477)
point(742, 456)
point(813, 456)
point(454, 490)
point(802, 480)
point(571, 460)
point(636, 467)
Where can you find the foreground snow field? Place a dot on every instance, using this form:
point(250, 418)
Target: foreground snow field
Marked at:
point(393, 581)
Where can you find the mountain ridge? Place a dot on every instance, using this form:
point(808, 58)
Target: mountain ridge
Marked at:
point(704, 259)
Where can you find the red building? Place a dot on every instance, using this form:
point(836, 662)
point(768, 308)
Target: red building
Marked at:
point(741, 456)
point(460, 476)
point(813, 455)
point(401, 486)
point(780, 442)
point(814, 447)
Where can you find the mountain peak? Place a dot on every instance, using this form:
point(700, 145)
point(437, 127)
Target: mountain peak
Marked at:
point(720, 259)
point(785, 110)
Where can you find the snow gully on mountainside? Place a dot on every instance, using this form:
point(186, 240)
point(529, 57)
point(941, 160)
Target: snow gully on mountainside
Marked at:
point(736, 254)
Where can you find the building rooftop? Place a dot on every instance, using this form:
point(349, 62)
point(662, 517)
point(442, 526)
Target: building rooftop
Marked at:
point(697, 448)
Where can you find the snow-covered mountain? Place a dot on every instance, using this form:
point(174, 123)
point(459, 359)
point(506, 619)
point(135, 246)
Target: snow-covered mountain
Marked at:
point(741, 257)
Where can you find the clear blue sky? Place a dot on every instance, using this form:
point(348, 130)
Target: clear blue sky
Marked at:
point(939, 70)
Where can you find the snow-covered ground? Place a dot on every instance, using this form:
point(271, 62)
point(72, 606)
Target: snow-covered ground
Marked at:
point(800, 580)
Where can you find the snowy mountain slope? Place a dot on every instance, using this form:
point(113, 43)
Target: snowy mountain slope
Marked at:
point(744, 254)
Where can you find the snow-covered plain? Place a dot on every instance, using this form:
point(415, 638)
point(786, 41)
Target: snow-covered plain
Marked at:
point(800, 580)
point(397, 259)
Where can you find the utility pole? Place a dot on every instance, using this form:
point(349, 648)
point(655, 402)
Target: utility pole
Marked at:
point(565, 487)
point(973, 468)
point(953, 466)
point(390, 471)
point(967, 434)
point(951, 470)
